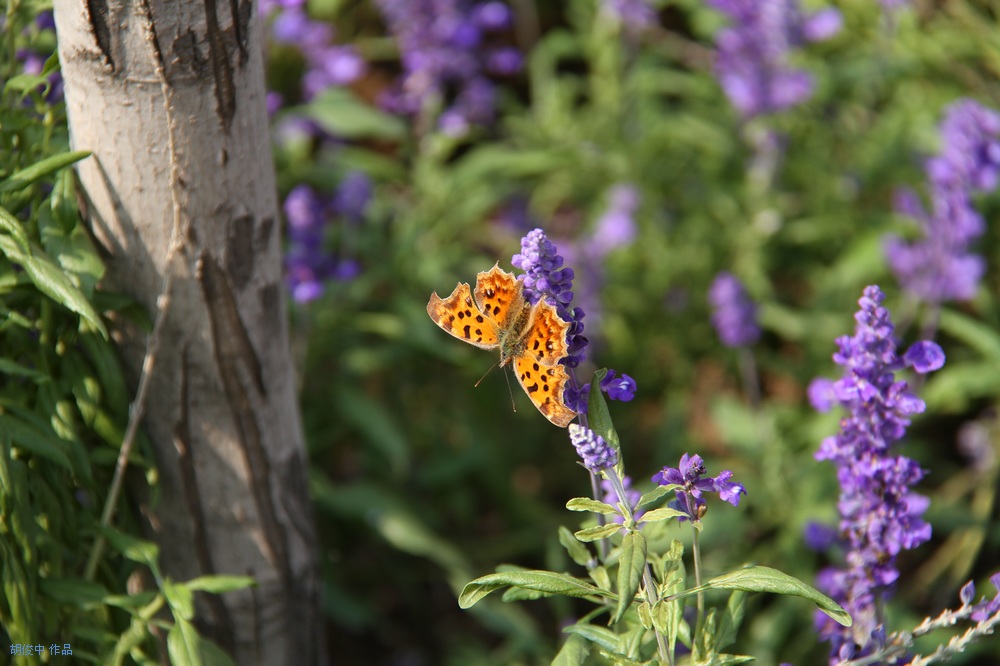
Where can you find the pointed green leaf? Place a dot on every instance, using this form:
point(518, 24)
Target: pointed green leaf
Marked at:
point(577, 551)
point(51, 280)
point(72, 250)
point(340, 112)
point(12, 226)
point(602, 636)
point(137, 550)
point(218, 584)
point(630, 567)
point(663, 513)
point(597, 533)
point(598, 414)
point(766, 579)
point(180, 598)
point(587, 504)
point(184, 644)
point(574, 652)
point(731, 620)
point(976, 334)
point(548, 582)
point(74, 591)
point(25, 177)
point(655, 494)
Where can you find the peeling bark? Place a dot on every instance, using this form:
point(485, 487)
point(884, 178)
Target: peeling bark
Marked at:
point(170, 98)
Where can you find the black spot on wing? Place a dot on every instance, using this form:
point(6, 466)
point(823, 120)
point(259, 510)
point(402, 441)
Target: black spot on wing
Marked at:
point(467, 332)
point(532, 388)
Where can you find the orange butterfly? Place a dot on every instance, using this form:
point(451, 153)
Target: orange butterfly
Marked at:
point(532, 336)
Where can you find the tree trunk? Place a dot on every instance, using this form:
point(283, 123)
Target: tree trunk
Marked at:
point(169, 95)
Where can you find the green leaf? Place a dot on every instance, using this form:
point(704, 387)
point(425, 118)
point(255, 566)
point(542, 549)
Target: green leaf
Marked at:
point(587, 504)
point(548, 582)
point(184, 644)
point(983, 338)
point(598, 414)
point(655, 494)
point(74, 591)
point(731, 620)
point(9, 367)
point(25, 177)
point(598, 532)
point(63, 201)
point(577, 551)
point(630, 567)
point(180, 598)
point(38, 442)
point(766, 579)
point(218, 584)
point(952, 388)
point(601, 636)
point(574, 652)
point(51, 280)
point(12, 226)
point(341, 113)
point(73, 251)
point(137, 550)
point(663, 513)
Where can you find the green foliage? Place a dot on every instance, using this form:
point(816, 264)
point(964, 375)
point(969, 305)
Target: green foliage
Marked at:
point(63, 410)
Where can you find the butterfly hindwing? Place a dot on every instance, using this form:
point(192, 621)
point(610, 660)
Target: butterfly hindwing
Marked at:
point(461, 317)
point(545, 384)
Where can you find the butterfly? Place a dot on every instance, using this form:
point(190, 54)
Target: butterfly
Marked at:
point(532, 337)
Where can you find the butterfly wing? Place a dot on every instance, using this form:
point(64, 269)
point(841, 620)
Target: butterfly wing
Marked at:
point(501, 296)
point(461, 317)
point(537, 366)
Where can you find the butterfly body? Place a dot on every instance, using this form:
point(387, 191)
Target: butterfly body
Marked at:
point(531, 337)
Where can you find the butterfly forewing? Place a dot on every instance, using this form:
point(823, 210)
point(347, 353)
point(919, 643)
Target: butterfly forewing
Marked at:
point(461, 317)
point(500, 295)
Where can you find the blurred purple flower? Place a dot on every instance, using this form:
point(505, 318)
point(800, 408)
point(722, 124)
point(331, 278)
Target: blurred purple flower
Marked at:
point(634, 15)
point(689, 498)
point(440, 43)
point(754, 65)
point(308, 262)
point(734, 315)
point(940, 266)
point(880, 515)
point(327, 64)
point(353, 195)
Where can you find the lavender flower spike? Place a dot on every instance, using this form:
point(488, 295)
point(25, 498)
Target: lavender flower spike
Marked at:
point(753, 65)
point(879, 514)
point(597, 454)
point(734, 314)
point(940, 266)
point(546, 278)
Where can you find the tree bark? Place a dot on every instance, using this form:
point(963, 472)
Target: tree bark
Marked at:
point(169, 95)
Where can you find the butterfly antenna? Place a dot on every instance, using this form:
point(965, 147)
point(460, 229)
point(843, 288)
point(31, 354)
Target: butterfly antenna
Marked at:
point(486, 373)
point(513, 406)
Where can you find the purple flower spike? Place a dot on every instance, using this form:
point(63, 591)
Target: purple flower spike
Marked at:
point(879, 514)
point(443, 59)
point(734, 314)
point(689, 499)
point(308, 263)
point(596, 454)
point(546, 278)
point(941, 266)
point(754, 65)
